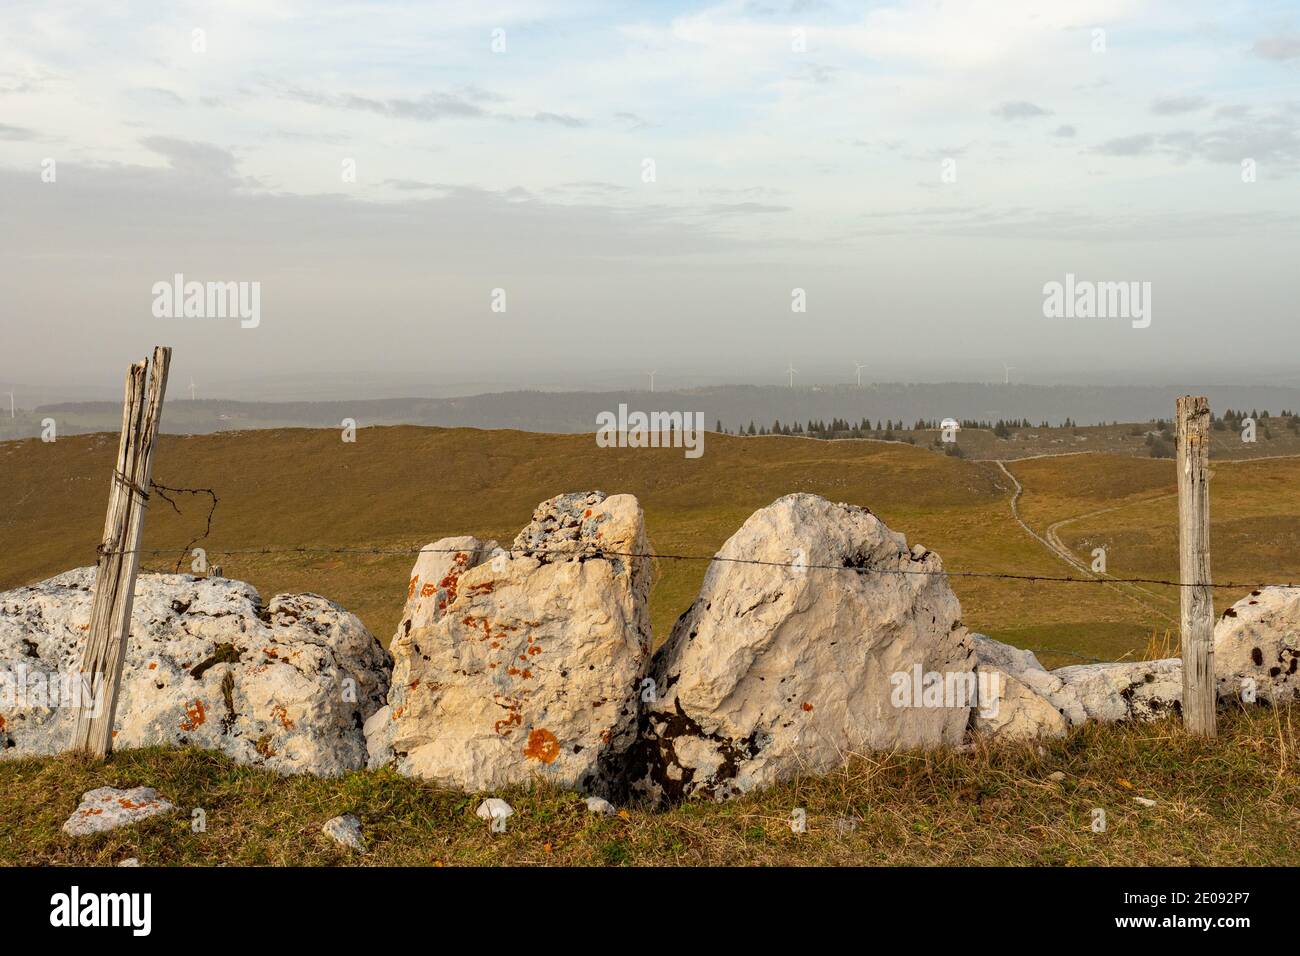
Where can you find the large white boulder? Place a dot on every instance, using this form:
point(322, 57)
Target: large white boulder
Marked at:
point(1257, 646)
point(528, 665)
point(813, 636)
point(287, 686)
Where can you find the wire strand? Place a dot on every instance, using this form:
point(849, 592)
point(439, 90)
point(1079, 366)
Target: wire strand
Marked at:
point(798, 567)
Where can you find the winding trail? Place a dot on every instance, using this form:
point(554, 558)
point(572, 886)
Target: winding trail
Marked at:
point(1054, 544)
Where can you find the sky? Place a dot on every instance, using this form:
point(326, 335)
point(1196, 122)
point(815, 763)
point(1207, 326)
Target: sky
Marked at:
point(440, 198)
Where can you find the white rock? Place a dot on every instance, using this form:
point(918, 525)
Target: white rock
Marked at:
point(1257, 646)
point(600, 805)
point(130, 861)
point(1144, 801)
point(433, 585)
point(1026, 702)
point(345, 830)
point(494, 808)
point(1015, 712)
point(530, 668)
point(1129, 690)
point(287, 686)
point(774, 672)
point(108, 808)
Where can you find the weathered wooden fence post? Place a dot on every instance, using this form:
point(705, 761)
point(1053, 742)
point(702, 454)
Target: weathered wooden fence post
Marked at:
point(1199, 692)
point(119, 555)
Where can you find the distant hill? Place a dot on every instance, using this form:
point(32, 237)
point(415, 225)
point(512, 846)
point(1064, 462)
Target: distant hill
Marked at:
point(734, 405)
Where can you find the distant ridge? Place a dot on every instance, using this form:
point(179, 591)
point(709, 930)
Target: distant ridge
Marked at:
point(734, 405)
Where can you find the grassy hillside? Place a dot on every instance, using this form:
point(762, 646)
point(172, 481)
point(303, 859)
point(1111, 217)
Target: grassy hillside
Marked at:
point(402, 487)
point(1230, 801)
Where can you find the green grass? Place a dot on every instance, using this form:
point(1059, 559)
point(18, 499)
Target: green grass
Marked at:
point(1234, 800)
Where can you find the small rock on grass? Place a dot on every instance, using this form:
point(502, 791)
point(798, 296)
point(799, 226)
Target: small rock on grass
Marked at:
point(1144, 801)
point(600, 805)
point(345, 831)
point(494, 808)
point(1056, 776)
point(130, 861)
point(108, 808)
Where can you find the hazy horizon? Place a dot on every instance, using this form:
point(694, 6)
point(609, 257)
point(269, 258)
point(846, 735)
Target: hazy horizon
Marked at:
point(914, 174)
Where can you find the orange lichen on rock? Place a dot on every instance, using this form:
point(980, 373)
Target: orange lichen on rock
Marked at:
point(513, 720)
point(429, 590)
point(279, 713)
point(807, 707)
point(452, 579)
point(195, 715)
point(410, 590)
point(542, 746)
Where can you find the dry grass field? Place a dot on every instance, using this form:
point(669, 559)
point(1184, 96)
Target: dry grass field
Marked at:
point(399, 488)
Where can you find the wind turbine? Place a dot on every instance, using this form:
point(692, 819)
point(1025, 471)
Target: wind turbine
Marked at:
point(1006, 373)
point(859, 370)
point(652, 379)
point(792, 372)
point(192, 388)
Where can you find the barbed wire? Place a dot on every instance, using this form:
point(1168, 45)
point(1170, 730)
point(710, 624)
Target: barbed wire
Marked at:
point(593, 552)
point(163, 490)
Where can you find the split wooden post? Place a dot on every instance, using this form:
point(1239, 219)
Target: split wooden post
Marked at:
point(1199, 691)
point(119, 555)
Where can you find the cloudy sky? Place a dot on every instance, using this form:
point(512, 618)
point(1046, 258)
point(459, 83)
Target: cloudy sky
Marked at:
point(648, 183)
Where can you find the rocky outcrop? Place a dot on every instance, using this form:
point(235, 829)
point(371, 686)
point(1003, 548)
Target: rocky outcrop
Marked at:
point(777, 669)
point(285, 686)
point(526, 663)
point(1257, 647)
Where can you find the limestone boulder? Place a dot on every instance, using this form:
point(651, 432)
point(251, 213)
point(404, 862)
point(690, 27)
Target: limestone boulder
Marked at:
point(817, 633)
point(287, 685)
point(1125, 690)
point(1257, 646)
point(1019, 699)
point(434, 584)
point(529, 663)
